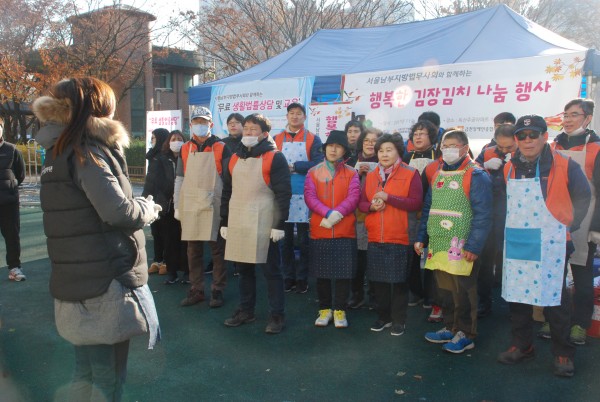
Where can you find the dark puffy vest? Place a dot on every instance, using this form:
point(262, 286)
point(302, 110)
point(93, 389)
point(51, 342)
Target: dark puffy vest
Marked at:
point(9, 191)
point(87, 253)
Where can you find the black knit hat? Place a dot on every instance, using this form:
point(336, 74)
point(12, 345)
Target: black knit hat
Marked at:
point(337, 137)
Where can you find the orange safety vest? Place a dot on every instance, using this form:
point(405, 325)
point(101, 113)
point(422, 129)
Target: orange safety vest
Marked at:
point(591, 152)
point(558, 199)
point(432, 168)
point(267, 162)
point(332, 193)
point(299, 137)
point(391, 224)
point(216, 148)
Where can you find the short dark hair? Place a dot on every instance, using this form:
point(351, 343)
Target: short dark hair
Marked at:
point(296, 105)
point(505, 130)
point(355, 123)
point(587, 105)
point(505, 117)
point(166, 148)
point(395, 139)
point(457, 135)
point(432, 131)
point(236, 117)
point(257, 118)
point(430, 116)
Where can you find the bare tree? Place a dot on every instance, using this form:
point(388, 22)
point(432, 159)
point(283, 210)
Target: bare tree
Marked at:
point(238, 34)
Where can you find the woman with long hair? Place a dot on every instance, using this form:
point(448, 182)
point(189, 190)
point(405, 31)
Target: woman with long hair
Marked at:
point(95, 240)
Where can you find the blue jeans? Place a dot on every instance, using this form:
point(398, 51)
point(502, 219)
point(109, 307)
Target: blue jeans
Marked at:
point(293, 269)
point(100, 372)
point(272, 273)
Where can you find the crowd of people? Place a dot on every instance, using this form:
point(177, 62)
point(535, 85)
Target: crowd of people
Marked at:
point(376, 220)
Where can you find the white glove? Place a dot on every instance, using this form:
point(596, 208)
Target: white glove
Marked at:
point(223, 231)
point(335, 217)
point(148, 207)
point(325, 223)
point(277, 235)
point(493, 164)
point(157, 207)
point(176, 215)
point(594, 237)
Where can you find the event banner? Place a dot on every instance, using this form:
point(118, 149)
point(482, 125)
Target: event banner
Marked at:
point(467, 95)
point(324, 117)
point(169, 119)
point(268, 97)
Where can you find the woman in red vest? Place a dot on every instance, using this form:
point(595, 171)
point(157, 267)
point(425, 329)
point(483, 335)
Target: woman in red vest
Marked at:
point(391, 195)
point(331, 192)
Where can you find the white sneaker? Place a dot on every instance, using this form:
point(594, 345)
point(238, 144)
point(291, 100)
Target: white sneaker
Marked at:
point(339, 319)
point(324, 318)
point(15, 274)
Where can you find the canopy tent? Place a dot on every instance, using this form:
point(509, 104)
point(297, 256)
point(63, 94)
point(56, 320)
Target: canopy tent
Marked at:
point(494, 33)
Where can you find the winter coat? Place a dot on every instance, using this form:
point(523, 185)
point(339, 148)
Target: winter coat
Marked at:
point(160, 181)
point(12, 173)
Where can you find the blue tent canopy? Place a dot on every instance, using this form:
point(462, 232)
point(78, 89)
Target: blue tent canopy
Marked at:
point(494, 33)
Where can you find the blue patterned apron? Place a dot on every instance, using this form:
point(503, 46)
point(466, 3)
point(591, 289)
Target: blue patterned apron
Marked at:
point(534, 246)
point(296, 152)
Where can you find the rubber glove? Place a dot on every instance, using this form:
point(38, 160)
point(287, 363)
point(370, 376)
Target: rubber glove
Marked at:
point(594, 237)
point(493, 164)
point(325, 223)
point(277, 235)
point(335, 217)
point(157, 207)
point(149, 212)
point(177, 215)
point(223, 231)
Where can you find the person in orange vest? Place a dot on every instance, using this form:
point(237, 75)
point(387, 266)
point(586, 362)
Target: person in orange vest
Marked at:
point(582, 145)
point(547, 196)
point(456, 220)
point(254, 207)
point(303, 150)
point(331, 191)
point(499, 119)
point(392, 192)
point(197, 196)
point(493, 159)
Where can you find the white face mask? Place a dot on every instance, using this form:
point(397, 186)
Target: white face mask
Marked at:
point(249, 141)
point(200, 130)
point(451, 155)
point(575, 132)
point(176, 146)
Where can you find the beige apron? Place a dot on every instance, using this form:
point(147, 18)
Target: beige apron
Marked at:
point(251, 211)
point(200, 198)
point(580, 236)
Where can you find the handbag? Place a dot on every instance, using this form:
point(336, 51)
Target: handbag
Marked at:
point(111, 318)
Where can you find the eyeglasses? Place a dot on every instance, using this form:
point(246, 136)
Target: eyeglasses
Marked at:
point(451, 146)
point(420, 134)
point(534, 135)
point(571, 116)
point(372, 142)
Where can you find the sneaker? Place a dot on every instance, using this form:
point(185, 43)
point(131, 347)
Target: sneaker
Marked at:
point(301, 287)
point(436, 314)
point(414, 300)
point(324, 318)
point(194, 296)
point(380, 325)
point(162, 269)
point(289, 285)
point(427, 304)
point(441, 336)
point(240, 317)
point(15, 274)
point(578, 335)
point(209, 268)
point(276, 324)
point(339, 319)
point(459, 343)
point(398, 329)
point(515, 355)
point(563, 366)
point(186, 279)
point(544, 331)
point(216, 299)
point(154, 267)
point(356, 301)
point(171, 279)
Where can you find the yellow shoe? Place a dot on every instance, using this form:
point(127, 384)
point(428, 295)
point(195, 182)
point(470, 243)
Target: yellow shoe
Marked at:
point(324, 318)
point(339, 319)
point(154, 268)
point(162, 269)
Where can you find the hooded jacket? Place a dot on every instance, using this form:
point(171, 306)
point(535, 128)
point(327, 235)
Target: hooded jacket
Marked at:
point(92, 223)
point(12, 173)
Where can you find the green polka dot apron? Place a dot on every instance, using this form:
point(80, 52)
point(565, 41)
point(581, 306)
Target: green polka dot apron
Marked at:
point(449, 223)
point(534, 246)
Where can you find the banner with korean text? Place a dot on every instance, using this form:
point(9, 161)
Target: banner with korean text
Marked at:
point(268, 97)
point(324, 117)
point(169, 119)
point(467, 95)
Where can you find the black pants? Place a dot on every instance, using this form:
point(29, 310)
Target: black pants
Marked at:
point(158, 234)
point(415, 283)
point(583, 296)
point(10, 226)
point(559, 317)
point(175, 250)
point(485, 280)
point(358, 283)
point(291, 268)
point(325, 293)
point(392, 301)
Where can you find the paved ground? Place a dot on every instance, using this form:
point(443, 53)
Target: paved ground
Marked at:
point(202, 360)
